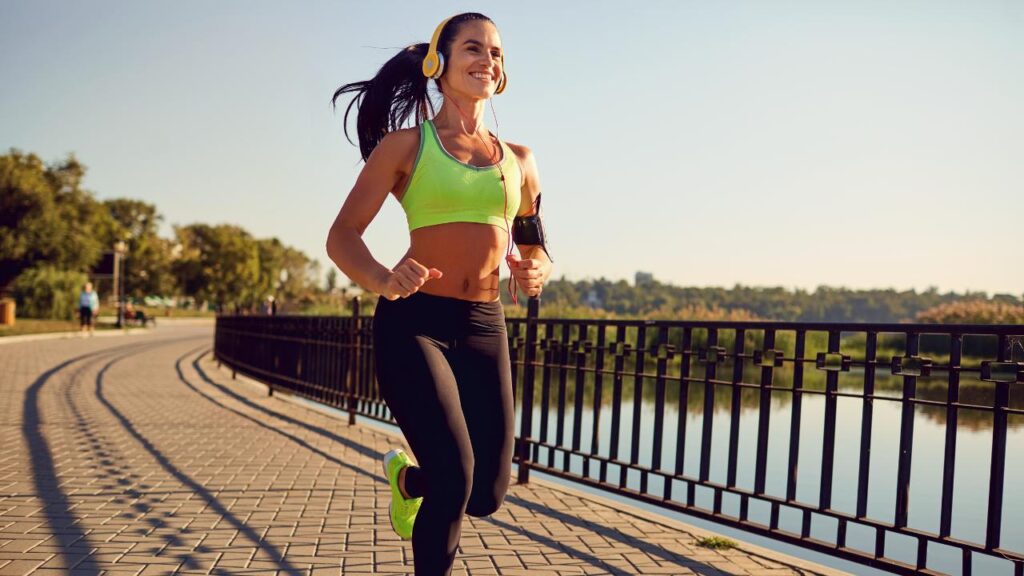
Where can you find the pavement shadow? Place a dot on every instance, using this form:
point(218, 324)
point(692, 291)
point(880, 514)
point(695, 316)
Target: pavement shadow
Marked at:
point(212, 501)
point(635, 543)
point(558, 545)
point(347, 442)
point(68, 533)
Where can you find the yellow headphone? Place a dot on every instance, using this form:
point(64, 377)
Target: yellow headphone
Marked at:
point(433, 63)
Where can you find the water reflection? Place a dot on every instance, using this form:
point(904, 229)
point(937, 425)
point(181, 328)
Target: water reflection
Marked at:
point(972, 390)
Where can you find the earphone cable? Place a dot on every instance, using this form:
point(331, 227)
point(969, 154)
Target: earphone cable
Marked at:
point(504, 212)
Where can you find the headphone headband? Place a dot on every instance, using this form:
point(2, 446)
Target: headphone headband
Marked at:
point(433, 62)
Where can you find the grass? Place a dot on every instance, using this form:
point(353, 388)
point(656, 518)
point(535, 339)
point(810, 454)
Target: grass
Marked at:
point(105, 321)
point(716, 543)
point(158, 312)
point(35, 326)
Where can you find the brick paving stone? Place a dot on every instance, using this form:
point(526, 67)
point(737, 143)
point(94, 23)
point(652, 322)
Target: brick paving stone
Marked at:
point(138, 455)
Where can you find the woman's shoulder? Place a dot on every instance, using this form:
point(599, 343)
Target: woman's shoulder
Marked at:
point(403, 138)
point(398, 147)
point(524, 155)
point(521, 151)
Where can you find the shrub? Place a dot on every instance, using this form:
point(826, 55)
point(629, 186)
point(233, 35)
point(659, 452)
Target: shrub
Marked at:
point(46, 292)
point(973, 312)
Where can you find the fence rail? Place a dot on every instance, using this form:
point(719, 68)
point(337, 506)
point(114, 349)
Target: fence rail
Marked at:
point(680, 450)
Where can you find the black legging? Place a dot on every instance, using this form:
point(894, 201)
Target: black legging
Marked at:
point(443, 368)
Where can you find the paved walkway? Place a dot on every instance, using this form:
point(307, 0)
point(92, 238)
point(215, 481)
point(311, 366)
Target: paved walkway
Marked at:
point(137, 455)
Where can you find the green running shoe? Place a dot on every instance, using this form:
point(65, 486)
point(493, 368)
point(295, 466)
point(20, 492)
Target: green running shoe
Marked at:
point(401, 510)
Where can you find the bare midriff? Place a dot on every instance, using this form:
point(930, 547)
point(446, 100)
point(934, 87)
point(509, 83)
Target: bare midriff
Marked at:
point(468, 254)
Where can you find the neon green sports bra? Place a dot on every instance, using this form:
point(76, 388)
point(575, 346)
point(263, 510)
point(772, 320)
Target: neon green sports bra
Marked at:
point(443, 189)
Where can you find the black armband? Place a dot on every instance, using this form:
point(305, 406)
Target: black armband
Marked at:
point(529, 230)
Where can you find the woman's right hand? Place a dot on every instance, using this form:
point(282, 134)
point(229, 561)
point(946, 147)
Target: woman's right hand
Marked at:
point(406, 278)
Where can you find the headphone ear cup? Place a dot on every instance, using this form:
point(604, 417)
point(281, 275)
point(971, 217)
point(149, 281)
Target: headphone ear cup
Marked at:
point(440, 66)
point(430, 64)
point(504, 77)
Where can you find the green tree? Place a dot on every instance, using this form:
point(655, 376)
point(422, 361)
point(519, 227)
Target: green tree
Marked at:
point(302, 279)
point(148, 265)
point(285, 272)
point(272, 262)
point(218, 263)
point(45, 216)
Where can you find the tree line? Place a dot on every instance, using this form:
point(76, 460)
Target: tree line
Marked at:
point(54, 233)
point(655, 300)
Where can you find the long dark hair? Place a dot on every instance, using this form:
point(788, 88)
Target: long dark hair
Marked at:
point(398, 90)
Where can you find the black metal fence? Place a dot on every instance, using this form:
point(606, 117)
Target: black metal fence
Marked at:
point(685, 394)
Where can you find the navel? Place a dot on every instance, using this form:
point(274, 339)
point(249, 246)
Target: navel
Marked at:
point(465, 285)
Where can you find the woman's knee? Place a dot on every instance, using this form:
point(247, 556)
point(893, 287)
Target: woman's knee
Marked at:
point(484, 501)
point(451, 486)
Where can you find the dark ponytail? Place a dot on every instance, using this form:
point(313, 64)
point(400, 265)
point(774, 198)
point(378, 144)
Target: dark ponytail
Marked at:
point(398, 90)
point(386, 101)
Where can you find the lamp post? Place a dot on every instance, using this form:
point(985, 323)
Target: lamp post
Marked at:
point(283, 277)
point(120, 248)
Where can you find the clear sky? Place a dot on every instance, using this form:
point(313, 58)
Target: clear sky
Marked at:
point(860, 144)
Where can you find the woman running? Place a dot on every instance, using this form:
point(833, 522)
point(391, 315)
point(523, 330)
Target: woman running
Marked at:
point(439, 340)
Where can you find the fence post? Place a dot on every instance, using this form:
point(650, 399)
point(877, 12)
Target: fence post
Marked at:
point(353, 365)
point(526, 421)
point(266, 330)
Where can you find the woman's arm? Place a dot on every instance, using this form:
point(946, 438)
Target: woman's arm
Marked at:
point(345, 246)
point(535, 264)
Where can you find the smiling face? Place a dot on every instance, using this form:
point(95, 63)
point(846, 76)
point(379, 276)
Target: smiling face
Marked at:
point(473, 66)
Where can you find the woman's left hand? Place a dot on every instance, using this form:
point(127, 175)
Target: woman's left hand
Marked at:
point(530, 274)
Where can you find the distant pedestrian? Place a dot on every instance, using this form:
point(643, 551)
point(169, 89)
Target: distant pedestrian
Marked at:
point(129, 312)
point(88, 307)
